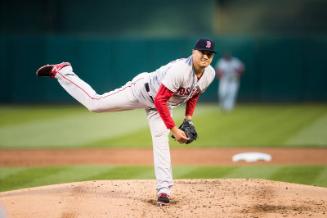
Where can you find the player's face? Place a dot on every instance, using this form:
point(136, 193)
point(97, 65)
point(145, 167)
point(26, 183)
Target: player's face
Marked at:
point(202, 59)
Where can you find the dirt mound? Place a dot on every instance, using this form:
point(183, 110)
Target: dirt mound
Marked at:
point(191, 198)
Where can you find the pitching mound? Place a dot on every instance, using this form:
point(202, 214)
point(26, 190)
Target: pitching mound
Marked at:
point(191, 198)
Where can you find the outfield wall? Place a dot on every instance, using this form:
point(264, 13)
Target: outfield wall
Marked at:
point(277, 69)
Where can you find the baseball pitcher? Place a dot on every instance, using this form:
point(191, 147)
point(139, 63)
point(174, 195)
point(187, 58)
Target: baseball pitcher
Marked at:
point(181, 81)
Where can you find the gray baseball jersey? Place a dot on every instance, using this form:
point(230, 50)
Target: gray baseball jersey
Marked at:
point(229, 68)
point(178, 76)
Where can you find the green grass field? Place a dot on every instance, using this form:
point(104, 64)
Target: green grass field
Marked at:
point(248, 125)
point(73, 126)
point(23, 177)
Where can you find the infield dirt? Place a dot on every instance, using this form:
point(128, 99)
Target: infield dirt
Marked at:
point(191, 198)
point(130, 156)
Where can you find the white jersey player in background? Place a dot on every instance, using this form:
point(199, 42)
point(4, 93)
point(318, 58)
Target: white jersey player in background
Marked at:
point(229, 70)
point(180, 81)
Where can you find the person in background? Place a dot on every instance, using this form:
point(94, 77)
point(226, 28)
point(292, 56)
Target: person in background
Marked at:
point(228, 71)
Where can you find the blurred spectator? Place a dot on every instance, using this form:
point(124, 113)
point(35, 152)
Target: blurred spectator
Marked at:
point(228, 70)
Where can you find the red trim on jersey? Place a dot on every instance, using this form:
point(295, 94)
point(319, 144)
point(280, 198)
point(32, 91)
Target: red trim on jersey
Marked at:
point(160, 102)
point(190, 105)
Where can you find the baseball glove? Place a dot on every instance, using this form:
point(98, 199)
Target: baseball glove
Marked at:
point(188, 127)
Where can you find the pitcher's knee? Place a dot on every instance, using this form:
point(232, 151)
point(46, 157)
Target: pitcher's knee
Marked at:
point(95, 108)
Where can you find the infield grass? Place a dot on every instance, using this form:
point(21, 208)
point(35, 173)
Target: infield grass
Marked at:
point(23, 177)
point(248, 125)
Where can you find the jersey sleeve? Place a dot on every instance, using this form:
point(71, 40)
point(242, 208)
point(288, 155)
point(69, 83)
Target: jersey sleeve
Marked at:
point(240, 66)
point(190, 105)
point(173, 78)
point(160, 102)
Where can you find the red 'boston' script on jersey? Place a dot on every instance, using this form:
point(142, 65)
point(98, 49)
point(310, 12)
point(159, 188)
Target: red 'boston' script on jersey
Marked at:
point(186, 91)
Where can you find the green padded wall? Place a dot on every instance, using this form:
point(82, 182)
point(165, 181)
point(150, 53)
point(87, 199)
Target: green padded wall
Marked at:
point(277, 69)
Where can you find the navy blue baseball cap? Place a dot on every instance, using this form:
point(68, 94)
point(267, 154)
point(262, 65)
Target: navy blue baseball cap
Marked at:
point(205, 45)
